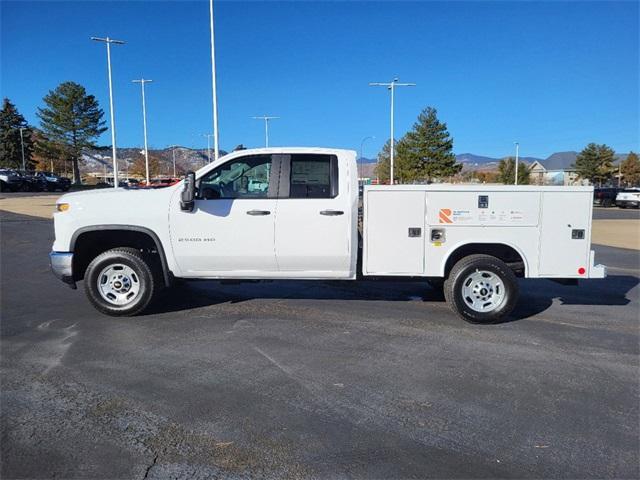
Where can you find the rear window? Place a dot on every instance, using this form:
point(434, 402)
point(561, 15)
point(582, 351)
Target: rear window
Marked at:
point(313, 176)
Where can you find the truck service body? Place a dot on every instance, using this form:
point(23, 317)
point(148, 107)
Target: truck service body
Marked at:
point(292, 213)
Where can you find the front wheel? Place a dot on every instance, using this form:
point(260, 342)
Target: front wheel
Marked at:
point(481, 289)
point(120, 282)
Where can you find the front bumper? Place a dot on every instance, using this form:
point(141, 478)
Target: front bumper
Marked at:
point(62, 267)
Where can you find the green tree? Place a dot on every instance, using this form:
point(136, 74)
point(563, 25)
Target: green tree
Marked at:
point(10, 143)
point(595, 163)
point(630, 170)
point(426, 152)
point(382, 167)
point(507, 172)
point(71, 120)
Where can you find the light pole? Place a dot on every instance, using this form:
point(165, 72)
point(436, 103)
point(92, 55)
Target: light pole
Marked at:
point(109, 41)
point(266, 127)
point(209, 135)
point(213, 84)
point(391, 86)
point(517, 160)
point(173, 151)
point(361, 150)
point(142, 82)
point(22, 147)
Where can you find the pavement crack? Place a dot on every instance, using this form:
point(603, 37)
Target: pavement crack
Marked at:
point(153, 464)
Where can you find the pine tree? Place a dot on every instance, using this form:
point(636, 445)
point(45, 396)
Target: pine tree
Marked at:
point(71, 120)
point(507, 172)
point(10, 143)
point(630, 170)
point(595, 163)
point(426, 152)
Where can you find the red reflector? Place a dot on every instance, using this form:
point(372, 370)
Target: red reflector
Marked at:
point(581, 271)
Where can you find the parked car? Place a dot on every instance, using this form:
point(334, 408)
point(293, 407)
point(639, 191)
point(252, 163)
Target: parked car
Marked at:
point(10, 181)
point(55, 182)
point(629, 197)
point(605, 197)
point(473, 240)
point(159, 182)
point(32, 182)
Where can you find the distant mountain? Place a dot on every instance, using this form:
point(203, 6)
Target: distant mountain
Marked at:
point(365, 160)
point(99, 159)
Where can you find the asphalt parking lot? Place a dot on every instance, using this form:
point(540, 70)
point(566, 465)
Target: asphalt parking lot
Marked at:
point(315, 379)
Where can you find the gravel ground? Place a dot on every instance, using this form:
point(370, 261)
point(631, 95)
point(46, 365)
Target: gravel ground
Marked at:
point(315, 379)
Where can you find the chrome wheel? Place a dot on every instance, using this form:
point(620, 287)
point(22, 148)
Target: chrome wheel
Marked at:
point(118, 284)
point(483, 291)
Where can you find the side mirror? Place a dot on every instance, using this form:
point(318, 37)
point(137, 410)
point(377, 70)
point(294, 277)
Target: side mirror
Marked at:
point(187, 198)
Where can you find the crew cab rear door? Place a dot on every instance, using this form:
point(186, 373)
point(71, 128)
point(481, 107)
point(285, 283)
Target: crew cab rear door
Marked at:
point(314, 226)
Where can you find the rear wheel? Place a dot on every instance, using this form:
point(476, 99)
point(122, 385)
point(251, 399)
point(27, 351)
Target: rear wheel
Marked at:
point(481, 289)
point(120, 282)
point(607, 202)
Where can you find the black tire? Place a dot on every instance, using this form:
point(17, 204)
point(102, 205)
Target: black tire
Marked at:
point(460, 276)
point(147, 281)
point(607, 203)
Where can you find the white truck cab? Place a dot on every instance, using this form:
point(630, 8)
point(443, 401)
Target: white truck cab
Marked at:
point(292, 213)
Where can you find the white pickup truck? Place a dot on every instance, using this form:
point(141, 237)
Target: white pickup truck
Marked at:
point(293, 213)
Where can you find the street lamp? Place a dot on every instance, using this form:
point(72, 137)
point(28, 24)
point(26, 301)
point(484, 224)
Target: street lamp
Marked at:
point(213, 84)
point(361, 150)
point(109, 41)
point(142, 82)
point(391, 86)
point(517, 156)
point(22, 147)
point(266, 127)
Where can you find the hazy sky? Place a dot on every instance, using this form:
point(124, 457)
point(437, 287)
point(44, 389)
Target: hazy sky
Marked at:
point(552, 75)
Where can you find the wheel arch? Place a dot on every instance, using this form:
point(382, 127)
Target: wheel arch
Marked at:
point(135, 235)
point(505, 251)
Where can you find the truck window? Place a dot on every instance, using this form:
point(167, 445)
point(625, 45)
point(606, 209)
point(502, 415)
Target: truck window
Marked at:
point(313, 176)
point(245, 177)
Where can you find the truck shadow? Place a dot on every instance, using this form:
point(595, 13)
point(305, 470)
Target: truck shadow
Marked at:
point(536, 295)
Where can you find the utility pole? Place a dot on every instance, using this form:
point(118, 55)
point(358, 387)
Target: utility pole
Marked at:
point(361, 151)
point(266, 127)
point(391, 86)
point(173, 151)
point(22, 147)
point(109, 41)
point(142, 82)
point(213, 84)
point(208, 135)
point(517, 160)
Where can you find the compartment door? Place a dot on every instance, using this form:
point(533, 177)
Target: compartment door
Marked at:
point(562, 213)
point(395, 231)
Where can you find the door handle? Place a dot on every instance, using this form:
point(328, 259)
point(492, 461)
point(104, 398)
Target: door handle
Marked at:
point(258, 212)
point(331, 213)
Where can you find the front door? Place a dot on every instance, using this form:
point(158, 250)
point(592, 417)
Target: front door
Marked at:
point(230, 232)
